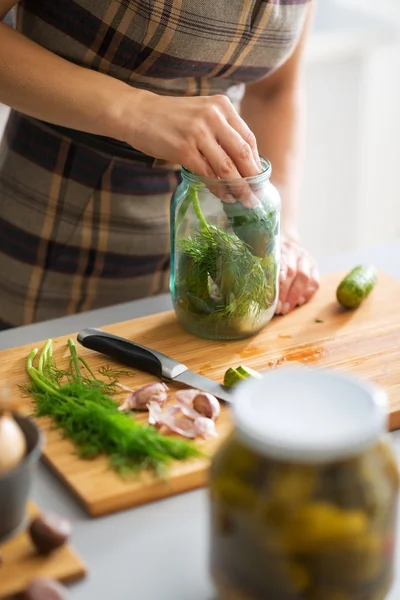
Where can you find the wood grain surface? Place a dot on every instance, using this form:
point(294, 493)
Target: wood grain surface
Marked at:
point(365, 341)
point(21, 563)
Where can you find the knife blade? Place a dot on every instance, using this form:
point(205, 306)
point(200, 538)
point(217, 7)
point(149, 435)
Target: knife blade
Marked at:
point(150, 361)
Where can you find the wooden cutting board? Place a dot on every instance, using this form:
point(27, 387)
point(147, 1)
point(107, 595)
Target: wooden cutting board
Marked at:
point(365, 341)
point(21, 564)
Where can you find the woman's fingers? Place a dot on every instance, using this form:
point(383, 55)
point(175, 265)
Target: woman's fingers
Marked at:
point(301, 289)
point(224, 167)
point(196, 163)
point(246, 134)
point(286, 277)
point(299, 278)
point(205, 134)
point(229, 147)
point(180, 129)
point(239, 150)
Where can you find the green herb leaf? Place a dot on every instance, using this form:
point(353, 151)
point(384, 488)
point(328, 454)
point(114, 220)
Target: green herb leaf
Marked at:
point(90, 418)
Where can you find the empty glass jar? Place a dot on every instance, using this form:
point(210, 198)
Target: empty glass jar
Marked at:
point(225, 254)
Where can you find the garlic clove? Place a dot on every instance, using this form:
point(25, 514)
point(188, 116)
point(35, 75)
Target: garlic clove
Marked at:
point(205, 427)
point(171, 418)
point(202, 403)
point(138, 399)
point(207, 405)
point(12, 444)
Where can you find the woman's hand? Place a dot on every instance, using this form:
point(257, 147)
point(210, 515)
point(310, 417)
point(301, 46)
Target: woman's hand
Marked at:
point(205, 134)
point(299, 277)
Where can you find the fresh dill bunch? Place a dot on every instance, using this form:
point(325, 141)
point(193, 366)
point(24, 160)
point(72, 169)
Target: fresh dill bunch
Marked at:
point(79, 404)
point(237, 273)
point(91, 420)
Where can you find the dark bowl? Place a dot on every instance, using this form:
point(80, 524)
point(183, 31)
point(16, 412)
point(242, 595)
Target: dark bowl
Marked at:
point(15, 485)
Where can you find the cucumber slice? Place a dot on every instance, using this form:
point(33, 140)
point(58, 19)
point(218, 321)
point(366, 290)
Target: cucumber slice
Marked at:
point(248, 372)
point(234, 376)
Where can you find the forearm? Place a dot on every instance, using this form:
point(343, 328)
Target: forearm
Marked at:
point(277, 120)
point(41, 84)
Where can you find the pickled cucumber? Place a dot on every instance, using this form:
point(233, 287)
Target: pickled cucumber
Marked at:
point(356, 286)
point(257, 227)
point(317, 524)
point(285, 531)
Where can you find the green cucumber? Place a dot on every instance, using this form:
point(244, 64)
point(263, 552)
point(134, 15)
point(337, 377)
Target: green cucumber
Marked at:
point(248, 372)
point(356, 286)
point(234, 376)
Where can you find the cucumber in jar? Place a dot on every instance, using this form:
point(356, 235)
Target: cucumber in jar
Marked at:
point(220, 278)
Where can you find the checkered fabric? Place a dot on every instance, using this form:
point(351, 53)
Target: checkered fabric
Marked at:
point(81, 228)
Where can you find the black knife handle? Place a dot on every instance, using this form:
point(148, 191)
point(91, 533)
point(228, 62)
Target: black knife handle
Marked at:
point(131, 354)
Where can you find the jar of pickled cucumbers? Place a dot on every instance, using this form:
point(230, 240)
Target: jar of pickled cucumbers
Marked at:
point(225, 254)
point(304, 493)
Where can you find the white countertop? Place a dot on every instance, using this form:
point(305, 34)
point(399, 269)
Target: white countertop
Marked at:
point(158, 551)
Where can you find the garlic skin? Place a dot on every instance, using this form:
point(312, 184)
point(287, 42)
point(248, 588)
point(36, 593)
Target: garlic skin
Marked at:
point(126, 388)
point(171, 418)
point(155, 413)
point(187, 410)
point(138, 399)
point(12, 444)
point(199, 402)
point(186, 396)
point(193, 414)
point(205, 427)
point(181, 425)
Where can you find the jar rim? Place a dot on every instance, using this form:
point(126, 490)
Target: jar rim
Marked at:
point(253, 179)
point(304, 415)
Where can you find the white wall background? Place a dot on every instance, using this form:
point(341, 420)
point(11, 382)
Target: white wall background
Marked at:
point(351, 182)
point(351, 186)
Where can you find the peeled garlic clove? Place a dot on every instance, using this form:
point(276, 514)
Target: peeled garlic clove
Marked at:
point(205, 427)
point(137, 400)
point(12, 444)
point(202, 403)
point(207, 405)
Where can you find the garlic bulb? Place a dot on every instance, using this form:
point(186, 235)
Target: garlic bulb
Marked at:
point(12, 443)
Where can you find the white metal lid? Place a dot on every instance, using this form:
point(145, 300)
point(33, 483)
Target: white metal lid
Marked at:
point(309, 415)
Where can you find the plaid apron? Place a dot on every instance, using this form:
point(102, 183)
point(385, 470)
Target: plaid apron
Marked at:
point(81, 227)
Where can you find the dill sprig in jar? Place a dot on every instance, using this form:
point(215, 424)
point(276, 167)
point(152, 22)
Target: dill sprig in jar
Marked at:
point(304, 493)
point(225, 254)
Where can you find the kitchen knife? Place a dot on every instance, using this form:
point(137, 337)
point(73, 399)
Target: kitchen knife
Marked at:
point(149, 361)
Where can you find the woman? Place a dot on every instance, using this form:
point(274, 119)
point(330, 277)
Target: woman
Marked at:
point(102, 89)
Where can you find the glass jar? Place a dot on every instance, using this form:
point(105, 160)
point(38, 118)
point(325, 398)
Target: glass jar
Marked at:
point(224, 255)
point(304, 492)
